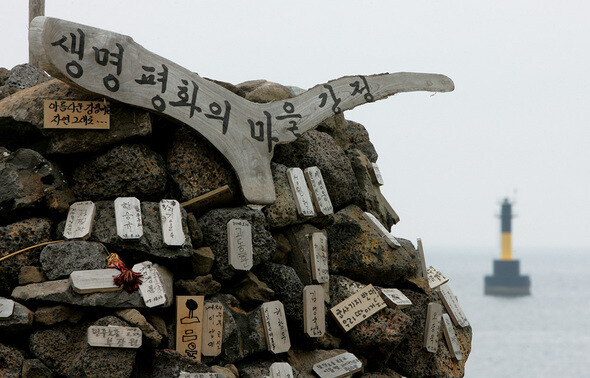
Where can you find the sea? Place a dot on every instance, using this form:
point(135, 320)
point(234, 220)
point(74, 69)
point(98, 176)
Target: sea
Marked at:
point(546, 334)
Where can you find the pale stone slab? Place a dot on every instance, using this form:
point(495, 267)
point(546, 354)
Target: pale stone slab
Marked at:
point(80, 220)
point(275, 327)
point(319, 192)
point(171, 223)
point(281, 370)
point(128, 218)
point(452, 305)
point(184, 374)
point(318, 250)
point(6, 308)
point(314, 311)
point(342, 365)
point(395, 298)
point(451, 337)
point(358, 307)
point(114, 336)
point(151, 287)
point(189, 325)
point(300, 192)
point(432, 330)
point(421, 258)
point(214, 198)
point(212, 329)
point(239, 244)
point(375, 173)
point(94, 281)
point(381, 230)
point(435, 278)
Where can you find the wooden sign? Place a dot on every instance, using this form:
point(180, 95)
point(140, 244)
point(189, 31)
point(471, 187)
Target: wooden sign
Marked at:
point(452, 305)
point(300, 192)
point(68, 114)
point(319, 192)
point(395, 298)
point(314, 311)
point(342, 365)
point(435, 278)
point(94, 281)
point(421, 258)
point(281, 370)
point(184, 374)
point(80, 220)
point(171, 223)
point(6, 308)
point(189, 325)
point(275, 327)
point(214, 198)
point(433, 320)
point(381, 230)
point(128, 218)
point(451, 337)
point(115, 66)
point(239, 244)
point(212, 329)
point(358, 307)
point(318, 251)
point(151, 287)
point(114, 336)
point(375, 173)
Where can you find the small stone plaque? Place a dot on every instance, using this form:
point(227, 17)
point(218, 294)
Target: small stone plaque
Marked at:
point(342, 365)
point(432, 331)
point(395, 298)
point(212, 329)
point(128, 218)
point(314, 311)
point(151, 287)
point(275, 327)
point(435, 278)
point(72, 114)
point(94, 281)
point(358, 307)
point(184, 374)
point(319, 192)
point(171, 223)
point(80, 220)
point(452, 304)
point(281, 370)
point(6, 308)
point(300, 192)
point(239, 244)
point(114, 336)
point(375, 173)
point(381, 230)
point(214, 198)
point(189, 325)
point(451, 337)
point(421, 258)
point(318, 250)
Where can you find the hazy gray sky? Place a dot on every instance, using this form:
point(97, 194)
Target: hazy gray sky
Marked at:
point(517, 120)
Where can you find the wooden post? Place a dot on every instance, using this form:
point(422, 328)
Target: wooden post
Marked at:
point(36, 8)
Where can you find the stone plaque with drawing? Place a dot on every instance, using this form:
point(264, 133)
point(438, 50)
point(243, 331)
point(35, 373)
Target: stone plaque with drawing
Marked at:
point(94, 281)
point(314, 311)
point(451, 337)
point(128, 218)
point(432, 329)
point(171, 218)
point(281, 370)
point(358, 307)
point(212, 329)
point(239, 244)
point(275, 327)
point(69, 114)
point(189, 325)
point(318, 251)
point(151, 288)
point(319, 192)
point(342, 365)
point(301, 193)
point(395, 298)
point(114, 336)
point(6, 308)
point(80, 220)
point(375, 173)
point(452, 305)
point(435, 278)
point(381, 230)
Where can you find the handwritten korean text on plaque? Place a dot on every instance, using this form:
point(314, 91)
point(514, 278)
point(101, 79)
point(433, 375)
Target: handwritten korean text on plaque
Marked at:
point(68, 114)
point(358, 307)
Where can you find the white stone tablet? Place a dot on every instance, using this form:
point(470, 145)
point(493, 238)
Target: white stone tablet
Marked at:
point(239, 244)
point(381, 230)
point(300, 192)
point(318, 251)
point(314, 311)
point(451, 337)
point(375, 173)
point(80, 220)
point(94, 281)
point(421, 258)
point(114, 336)
point(184, 374)
point(432, 331)
point(212, 329)
point(128, 218)
point(6, 308)
point(395, 298)
point(344, 364)
point(435, 278)
point(171, 223)
point(452, 305)
point(275, 327)
point(151, 287)
point(319, 192)
point(281, 370)
point(358, 307)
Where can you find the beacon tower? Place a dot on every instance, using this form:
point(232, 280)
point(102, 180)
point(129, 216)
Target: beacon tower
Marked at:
point(506, 279)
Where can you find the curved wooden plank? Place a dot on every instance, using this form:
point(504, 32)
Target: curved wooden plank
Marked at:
point(114, 66)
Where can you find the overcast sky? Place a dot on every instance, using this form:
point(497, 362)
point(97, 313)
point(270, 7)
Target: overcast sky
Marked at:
point(517, 121)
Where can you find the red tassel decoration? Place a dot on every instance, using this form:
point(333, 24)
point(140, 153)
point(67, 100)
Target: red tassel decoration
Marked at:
point(129, 279)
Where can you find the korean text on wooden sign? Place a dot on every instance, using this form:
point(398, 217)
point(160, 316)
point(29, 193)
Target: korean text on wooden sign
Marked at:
point(151, 288)
point(212, 329)
point(189, 325)
point(275, 327)
point(80, 220)
point(67, 114)
point(114, 336)
point(358, 307)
